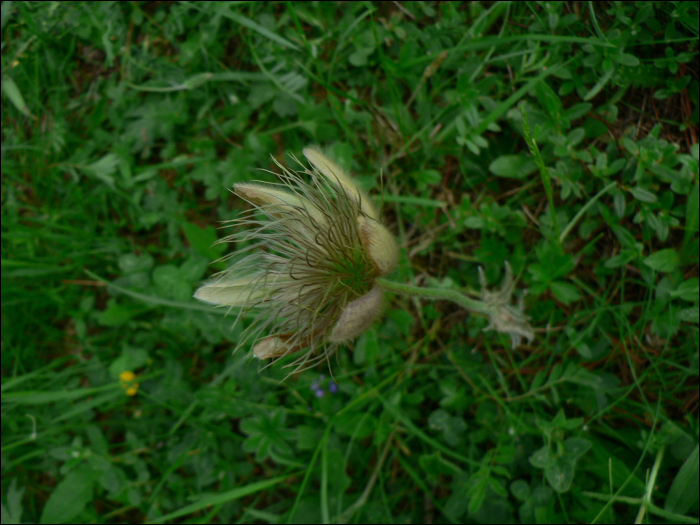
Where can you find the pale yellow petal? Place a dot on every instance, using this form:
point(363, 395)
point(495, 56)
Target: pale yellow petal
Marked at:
point(279, 199)
point(379, 244)
point(339, 178)
point(269, 347)
point(230, 292)
point(275, 346)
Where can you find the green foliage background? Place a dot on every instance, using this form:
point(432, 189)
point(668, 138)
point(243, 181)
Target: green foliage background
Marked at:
point(561, 137)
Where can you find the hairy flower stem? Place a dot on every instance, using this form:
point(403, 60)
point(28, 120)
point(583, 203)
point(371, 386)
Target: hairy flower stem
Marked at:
point(496, 305)
point(436, 294)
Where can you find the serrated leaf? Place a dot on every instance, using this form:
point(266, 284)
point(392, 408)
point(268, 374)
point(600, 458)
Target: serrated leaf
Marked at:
point(104, 168)
point(168, 279)
point(477, 493)
point(496, 484)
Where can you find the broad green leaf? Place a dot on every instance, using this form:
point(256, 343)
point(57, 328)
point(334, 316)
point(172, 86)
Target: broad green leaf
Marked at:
point(117, 314)
point(520, 489)
point(513, 166)
point(250, 24)
point(565, 292)
point(630, 145)
point(69, 497)
point(542, 458)
point(684, 489)
point(202, 240)
point(620, 259)
point(171, 284)
point(577, 110)
point(359, 425)
point(13, 512)
point(692, 217)
point(131, 263)
point(688, 290)
point(624, 236)
point(560, 474)
point(665, 260)
point(15, 95)
point(642, 195)
point(690, 315)
point(626, 60)
point(574, 448)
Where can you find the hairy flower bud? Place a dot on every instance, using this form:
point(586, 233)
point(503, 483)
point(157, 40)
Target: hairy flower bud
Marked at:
point(358, 316)
point(270, 347)
point(379, 245)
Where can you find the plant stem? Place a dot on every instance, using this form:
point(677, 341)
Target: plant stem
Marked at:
point(436, 294)
point(544, 173)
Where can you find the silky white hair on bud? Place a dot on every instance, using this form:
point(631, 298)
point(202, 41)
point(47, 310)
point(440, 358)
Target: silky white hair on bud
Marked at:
point(310, 274)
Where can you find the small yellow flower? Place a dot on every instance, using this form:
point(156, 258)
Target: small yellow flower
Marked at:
point(311, 275)
point(126, 379)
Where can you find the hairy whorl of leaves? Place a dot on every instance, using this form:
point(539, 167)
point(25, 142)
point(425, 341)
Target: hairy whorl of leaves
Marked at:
point(310, 275)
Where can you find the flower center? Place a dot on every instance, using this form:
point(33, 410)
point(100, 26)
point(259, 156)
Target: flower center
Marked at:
point(355, 275)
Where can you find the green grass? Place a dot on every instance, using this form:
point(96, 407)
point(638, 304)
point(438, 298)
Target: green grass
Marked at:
point(124, 127)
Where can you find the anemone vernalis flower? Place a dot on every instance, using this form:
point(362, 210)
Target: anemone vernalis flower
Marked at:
point(311, 274)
